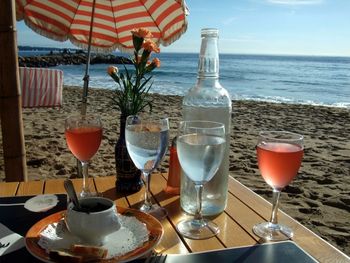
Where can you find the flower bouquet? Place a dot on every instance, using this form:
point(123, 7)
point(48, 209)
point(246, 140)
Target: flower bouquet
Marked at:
point(131, 98)
point(132, 95)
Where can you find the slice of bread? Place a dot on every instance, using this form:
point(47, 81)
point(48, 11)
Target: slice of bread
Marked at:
point(89, 252)
point(79, 254)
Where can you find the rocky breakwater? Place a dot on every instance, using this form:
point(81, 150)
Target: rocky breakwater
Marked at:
point(64, 58)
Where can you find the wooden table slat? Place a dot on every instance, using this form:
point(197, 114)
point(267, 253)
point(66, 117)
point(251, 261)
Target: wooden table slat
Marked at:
point(170, 242)
point(78, 185)
point(242, 214)
point(228, 226)
point(106, 187)
point(31, 188)
point(8, 189)
point(54, 186)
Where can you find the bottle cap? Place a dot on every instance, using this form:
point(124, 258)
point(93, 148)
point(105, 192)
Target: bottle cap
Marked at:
point(208, 63)
point(209, 32)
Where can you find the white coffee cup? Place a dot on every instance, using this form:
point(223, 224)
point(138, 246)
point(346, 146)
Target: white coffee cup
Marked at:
point(95, 222)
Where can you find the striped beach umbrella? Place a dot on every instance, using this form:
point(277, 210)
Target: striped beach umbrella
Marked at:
point(103, 25)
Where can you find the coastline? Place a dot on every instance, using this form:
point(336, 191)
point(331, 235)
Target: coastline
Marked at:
point(314, 80)
point(319, 197)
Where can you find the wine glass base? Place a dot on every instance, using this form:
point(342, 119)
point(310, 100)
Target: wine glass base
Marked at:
point(272, 232)
point(197, 229)
point(155, 210)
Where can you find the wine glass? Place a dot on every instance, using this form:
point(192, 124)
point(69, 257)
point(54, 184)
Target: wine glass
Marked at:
point(147, 142)
point(200, 147)
point(279, 156)
point(83, 135)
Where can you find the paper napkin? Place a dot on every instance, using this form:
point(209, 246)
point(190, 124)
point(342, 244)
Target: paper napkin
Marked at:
point(9, 240)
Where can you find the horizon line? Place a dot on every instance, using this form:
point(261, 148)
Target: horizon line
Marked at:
point(192, 52)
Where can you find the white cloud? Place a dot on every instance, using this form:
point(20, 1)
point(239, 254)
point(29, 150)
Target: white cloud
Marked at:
point(295, 2)
point(229, 21)
point(241, 39)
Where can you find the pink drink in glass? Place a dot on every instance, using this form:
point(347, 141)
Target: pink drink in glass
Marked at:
point(84, 141)
point(279, 162)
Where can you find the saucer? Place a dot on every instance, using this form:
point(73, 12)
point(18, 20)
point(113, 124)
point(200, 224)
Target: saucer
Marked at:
point(134, 223)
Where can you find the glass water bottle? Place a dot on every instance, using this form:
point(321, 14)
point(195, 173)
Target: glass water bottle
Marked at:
point(208, 100)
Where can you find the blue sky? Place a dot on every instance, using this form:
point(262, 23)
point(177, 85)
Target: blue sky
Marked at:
point(291, 27)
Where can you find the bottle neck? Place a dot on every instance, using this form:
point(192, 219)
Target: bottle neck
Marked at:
point(208, 64)
point(208, 82)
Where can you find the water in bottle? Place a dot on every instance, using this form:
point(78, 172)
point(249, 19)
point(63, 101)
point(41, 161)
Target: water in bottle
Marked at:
point(208, 100)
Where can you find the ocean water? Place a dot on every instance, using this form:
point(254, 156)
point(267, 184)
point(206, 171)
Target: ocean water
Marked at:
point(289, 79)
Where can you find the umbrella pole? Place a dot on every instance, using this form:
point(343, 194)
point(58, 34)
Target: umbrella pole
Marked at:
point(87, 67)
point(86, 78)
point(10, 98)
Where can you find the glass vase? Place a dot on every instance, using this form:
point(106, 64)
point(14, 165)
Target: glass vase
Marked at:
point(128, 176)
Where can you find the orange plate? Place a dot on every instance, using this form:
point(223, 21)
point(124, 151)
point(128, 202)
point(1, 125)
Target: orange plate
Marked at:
point(153, 225)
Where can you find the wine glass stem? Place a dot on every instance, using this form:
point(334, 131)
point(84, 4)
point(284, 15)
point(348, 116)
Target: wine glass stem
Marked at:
point(275, 202)
point(79, 171)
point(85, 166)
point(199, 191)
point(147, 202)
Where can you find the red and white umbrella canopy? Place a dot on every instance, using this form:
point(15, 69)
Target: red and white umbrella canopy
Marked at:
point(112, 20)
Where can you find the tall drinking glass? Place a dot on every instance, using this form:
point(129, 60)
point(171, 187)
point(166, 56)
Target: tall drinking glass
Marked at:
point(279, 155)
point(83, 135)
point(200, 148)
point(147, 142)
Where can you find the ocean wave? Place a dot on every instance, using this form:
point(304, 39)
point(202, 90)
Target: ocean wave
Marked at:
point(277, 99)
point(279, 79)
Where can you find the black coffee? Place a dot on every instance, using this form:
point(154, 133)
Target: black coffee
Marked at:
point(92, 207)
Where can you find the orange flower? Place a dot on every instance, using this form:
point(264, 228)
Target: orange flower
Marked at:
point(156, 62)
point(141, 33)
point(112, 70)
point(150, 46)
point(152, 65)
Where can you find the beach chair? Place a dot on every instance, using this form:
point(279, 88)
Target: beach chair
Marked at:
point(41, 87)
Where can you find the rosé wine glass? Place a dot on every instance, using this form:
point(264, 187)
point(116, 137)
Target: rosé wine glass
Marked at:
point(83, 136)
point(279, 155)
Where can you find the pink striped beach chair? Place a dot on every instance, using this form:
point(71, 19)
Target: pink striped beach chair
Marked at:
point(41, 87)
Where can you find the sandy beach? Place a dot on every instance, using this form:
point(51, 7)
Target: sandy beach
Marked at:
point(319, 197)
